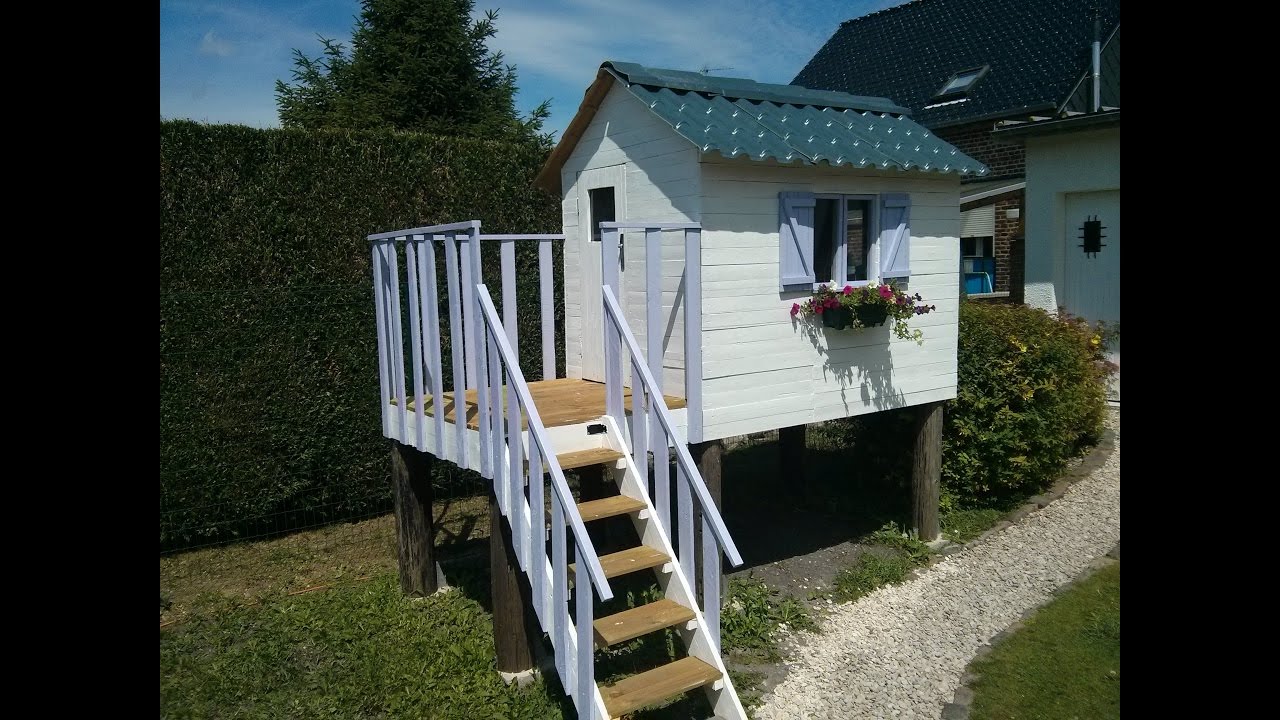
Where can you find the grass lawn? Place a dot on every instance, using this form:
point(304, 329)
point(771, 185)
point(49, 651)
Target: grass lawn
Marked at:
point(1064, 663)
point(355, 651)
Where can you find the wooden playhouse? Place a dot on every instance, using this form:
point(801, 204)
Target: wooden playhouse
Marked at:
point(697, 211)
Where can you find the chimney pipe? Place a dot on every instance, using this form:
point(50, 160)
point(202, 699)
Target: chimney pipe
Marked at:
point(1097, 64)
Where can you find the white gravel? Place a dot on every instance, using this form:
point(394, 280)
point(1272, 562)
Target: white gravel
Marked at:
point(900, 652)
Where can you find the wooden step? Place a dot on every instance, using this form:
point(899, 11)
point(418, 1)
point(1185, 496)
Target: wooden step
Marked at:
point(628, 561)
point(643, 620)
point(609, 507)
point(583, 458)
point(656, 685)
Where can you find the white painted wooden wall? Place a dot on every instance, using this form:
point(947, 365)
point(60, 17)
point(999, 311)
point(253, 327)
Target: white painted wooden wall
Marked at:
point(661, 182)
point(760, 369)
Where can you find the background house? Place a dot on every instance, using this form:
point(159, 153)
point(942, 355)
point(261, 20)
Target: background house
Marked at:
point(962, 67)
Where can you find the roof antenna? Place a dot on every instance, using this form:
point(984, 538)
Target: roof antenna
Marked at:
point(708, 69)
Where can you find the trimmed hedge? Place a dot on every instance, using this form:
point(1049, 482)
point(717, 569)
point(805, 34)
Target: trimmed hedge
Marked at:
point(1032, 395)
point(268, 361)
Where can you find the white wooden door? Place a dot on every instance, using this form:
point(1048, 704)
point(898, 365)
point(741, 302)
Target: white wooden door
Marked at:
point(1092, 284)
point(593, 190)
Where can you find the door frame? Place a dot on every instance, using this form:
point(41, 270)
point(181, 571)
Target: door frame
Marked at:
point(592, 340)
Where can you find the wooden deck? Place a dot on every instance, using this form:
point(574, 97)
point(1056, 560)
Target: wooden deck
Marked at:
point(563, 401)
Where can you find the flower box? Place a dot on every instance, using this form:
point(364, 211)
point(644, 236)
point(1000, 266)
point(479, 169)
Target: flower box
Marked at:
point(863, 307)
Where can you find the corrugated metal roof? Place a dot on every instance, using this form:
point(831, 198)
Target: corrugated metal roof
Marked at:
point(737, 117)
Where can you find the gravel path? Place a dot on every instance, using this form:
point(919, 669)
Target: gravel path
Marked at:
point(900, 652)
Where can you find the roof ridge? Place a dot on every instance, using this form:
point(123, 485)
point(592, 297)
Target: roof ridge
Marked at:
point(881, 11)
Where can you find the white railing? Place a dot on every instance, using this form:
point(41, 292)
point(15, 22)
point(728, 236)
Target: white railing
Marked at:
point(654, 321)
point(504, 398)
point(462, 244)
point(652, 425)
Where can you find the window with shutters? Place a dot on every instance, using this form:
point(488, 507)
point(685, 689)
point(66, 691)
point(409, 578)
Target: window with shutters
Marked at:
point(843, 239)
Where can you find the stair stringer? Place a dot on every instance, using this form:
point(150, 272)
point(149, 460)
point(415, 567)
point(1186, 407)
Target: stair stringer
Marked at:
point(675, 586)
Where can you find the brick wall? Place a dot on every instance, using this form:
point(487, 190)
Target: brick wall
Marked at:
point(975, 141)
point(1007, 229)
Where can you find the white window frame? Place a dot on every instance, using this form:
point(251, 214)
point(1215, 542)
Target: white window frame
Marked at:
point(840, 258)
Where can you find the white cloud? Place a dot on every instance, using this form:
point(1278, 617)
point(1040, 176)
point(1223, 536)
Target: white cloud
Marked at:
point(211, 44)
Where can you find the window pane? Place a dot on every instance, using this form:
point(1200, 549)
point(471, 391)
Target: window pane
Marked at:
point(601, 209)
point(824, 239)
point(858, 239)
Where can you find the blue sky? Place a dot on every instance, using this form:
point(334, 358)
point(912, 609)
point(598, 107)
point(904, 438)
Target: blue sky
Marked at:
point(219, 60)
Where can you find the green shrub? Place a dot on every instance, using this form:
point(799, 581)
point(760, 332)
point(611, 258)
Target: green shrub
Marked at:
point(752, 615)
point(1031, 396)
point(269, 416)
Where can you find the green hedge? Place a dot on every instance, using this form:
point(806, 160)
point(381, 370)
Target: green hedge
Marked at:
point(1031, 396)
point(268, 363)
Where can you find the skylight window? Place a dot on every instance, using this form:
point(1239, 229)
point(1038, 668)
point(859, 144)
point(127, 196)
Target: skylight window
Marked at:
point(962, 82)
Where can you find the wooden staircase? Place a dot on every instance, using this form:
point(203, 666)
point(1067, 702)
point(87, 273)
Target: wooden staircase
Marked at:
point(654, 554)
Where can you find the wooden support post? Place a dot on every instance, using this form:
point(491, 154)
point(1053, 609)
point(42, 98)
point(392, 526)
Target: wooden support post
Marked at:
point(926, 471)
point(515, 627)
point(709, 457)
point(411, 483)
point(791, 452)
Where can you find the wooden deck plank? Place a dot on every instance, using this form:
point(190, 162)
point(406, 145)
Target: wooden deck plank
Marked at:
point(633, 623)
point(563, 401)
point(656, 685)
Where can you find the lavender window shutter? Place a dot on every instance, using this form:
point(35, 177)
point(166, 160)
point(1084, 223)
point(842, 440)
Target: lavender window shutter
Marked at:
point(895, 235)
point(795, 235)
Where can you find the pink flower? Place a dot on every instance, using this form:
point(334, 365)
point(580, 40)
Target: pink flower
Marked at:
point(795, 309)
point(886, 291)
point(817, 309)
point(848, 289)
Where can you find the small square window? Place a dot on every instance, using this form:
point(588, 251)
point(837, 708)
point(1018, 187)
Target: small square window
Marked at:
point(962, 82)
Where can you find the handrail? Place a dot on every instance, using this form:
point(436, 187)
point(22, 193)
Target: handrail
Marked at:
point(683, 458)
point(427, 230)
point(538, 434)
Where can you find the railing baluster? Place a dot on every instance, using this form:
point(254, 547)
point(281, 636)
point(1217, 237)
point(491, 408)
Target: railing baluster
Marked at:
point(384, 362)
point(494, 431)
point(510, 304)
point(412, 265)
point(475, 349)
point(711, 583)
point(586, 686)
point(639, 423)
point(661, 471)
point(397, 343)
point(468, 314)
point(559, 588)
point(612, 343)
point(653, 303)
point(693, 332)
point(537, 534)
point(515, 475)
point(430, 301)
point(548, 310)
point(456, 345)
point(684, 510)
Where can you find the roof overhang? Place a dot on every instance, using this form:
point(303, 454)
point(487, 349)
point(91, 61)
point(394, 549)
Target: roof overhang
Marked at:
point(974, 192)
point(1018, 132)
point(549, 176)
